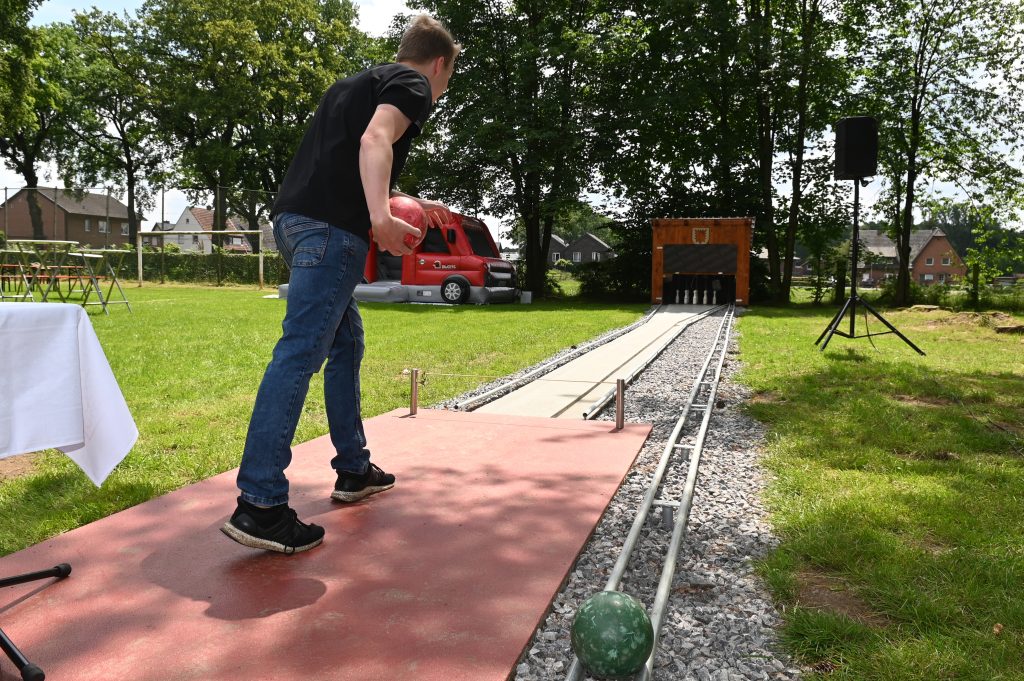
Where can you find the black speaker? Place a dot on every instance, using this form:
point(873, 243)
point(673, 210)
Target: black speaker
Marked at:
point(856, 148)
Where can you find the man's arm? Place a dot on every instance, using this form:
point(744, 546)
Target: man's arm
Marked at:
point(375, 160)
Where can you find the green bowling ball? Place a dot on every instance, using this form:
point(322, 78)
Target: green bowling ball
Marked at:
point(612, 635)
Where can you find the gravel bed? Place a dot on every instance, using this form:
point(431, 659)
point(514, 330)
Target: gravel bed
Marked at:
point(720, 624)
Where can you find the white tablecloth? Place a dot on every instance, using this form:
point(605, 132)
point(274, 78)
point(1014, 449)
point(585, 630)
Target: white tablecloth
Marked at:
point(57, 390)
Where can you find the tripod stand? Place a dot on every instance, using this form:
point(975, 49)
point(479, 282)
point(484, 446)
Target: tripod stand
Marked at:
point(29, 671)
point(854, 300)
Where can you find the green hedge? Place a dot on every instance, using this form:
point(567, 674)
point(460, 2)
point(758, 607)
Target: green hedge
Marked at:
point(215, 268)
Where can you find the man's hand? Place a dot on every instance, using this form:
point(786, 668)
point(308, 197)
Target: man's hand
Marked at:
point(438, 214)
point(390, 234)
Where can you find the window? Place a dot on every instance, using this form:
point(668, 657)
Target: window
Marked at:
point(195, 240)
point(555, 256)
point(942, 278)
point(88, 224)
point(434, 242)
point(947, 260)
point(929, 261)
point(124, 229)
point(577, 256)
point(595, 256)
point(104, 227)
point(927, 277)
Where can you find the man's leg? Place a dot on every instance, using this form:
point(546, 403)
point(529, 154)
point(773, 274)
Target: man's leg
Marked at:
point(357, 477)
point(323, 277)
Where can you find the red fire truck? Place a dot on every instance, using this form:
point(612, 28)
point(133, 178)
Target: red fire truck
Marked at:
point(456, 263)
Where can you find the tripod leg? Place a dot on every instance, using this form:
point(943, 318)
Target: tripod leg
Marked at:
point(892, 328)
point(838, 315)
point(833, 325)
point(59, 571)
point(29, 672)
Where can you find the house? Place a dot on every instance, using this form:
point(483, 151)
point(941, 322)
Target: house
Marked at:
point(194, 219)
point(932, 258)
point(556, 249)
point(588, 248)
point(97, 220)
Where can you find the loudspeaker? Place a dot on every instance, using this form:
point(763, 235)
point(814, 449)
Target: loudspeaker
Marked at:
point(856, 147)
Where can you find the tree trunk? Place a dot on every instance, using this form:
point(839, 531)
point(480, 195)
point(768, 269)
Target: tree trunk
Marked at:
point(808, 17)
point(766, 144)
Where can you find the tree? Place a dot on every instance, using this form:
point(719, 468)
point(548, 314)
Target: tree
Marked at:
point(944, 80)
point(820, 80)
point(32, 137)
point(513, 134)
point(234, 82)
point(15, 52)
point(111, 128)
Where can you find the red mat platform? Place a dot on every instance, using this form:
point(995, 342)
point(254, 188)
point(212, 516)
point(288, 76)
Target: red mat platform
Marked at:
point(445, 577)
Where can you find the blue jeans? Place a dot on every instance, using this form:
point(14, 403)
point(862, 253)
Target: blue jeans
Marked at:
point(321, 322)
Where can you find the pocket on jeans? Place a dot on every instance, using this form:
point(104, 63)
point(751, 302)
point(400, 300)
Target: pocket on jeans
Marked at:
point(307, 240)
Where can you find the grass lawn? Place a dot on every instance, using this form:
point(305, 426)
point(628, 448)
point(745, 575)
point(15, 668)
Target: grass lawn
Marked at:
point(898, 492)
point(189, 361)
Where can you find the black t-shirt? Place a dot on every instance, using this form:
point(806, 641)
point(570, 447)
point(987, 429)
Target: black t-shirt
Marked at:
point(323, 180)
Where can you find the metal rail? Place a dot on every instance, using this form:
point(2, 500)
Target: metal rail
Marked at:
point(706, 387)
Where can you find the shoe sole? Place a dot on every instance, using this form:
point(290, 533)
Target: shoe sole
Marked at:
point(338, 495)
point(246, 539)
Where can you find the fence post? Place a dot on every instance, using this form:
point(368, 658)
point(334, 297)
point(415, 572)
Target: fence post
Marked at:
point(259, 241)
point(138, 253)
point(414, 394)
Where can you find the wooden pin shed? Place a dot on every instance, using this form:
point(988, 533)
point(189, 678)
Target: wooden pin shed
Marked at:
point(701, 260)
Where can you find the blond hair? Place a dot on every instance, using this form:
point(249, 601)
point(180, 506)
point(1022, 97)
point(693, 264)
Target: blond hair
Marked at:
point(426, 39)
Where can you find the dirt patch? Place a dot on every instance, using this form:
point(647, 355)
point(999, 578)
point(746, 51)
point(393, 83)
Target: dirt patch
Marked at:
point(826, 592)
point(987, 319)
point(768, 397)
point(923, 400)
point(17, 466)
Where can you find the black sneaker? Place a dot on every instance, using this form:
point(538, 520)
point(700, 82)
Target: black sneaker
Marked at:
point(277, 528)
point(353, 487)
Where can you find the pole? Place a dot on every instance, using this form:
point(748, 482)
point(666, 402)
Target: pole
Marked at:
point(620, 407)
point(6, 223)
point(55, 237)
point(259, 240)
point(414, 393)
point(138, 254)
point(856, 252)
point(106, 240)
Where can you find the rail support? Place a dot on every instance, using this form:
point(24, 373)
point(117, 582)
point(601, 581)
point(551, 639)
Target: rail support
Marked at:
point(620, 406)
point(414, 392)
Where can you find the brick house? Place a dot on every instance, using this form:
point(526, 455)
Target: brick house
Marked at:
point(96, 220)
point(932, 258)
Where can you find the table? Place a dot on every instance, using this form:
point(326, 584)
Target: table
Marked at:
point(99, 264)
point(57, 389)
point(42, 260)
point(14, 284)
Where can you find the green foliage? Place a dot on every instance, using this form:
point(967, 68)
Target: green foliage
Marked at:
point(513, 134)
point(208, 268)
point(930, 80)
point(234, 83)
point(613, 279)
